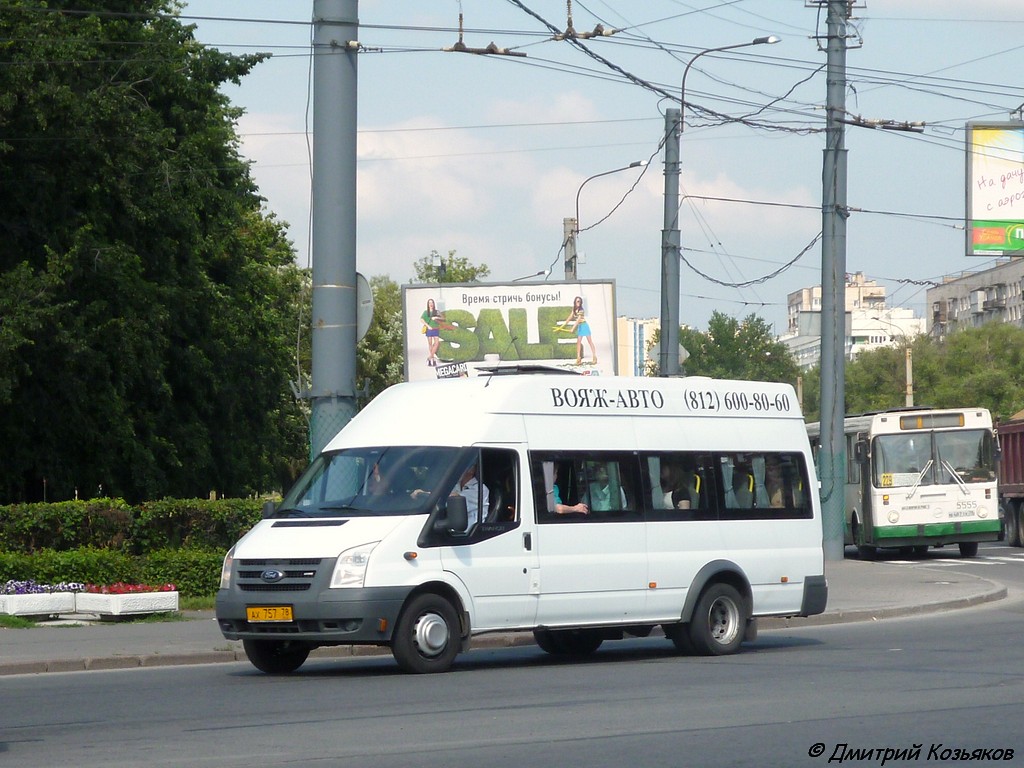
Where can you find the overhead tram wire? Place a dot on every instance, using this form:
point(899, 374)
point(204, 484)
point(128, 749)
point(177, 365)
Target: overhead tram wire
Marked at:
point(897, 78)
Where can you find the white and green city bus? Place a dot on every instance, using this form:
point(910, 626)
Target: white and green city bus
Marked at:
point(919, 478)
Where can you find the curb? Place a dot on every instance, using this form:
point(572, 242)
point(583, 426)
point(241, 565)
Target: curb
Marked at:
point(498, 640)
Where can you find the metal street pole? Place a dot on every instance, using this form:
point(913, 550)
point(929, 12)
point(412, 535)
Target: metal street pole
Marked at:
point(668, 357)
point(334, 321)
point(834, 212)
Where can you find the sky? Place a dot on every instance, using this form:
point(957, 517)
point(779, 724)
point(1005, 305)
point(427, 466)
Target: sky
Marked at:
point(486, 155)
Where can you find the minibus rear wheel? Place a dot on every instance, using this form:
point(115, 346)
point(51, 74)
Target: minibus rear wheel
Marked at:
point(719, 621)
point(276, 657)
point(427, 637)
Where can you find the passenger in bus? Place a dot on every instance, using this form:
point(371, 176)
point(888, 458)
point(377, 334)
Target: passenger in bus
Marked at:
point(560, 507)
point(680, 486)
point(477, 495)
point(601, 490)
point(773, 481)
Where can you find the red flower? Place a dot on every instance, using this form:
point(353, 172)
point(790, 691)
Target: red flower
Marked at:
point(121, 588)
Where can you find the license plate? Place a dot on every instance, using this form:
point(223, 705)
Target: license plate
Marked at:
point(258, 613)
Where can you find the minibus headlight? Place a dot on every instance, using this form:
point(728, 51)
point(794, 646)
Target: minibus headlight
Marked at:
point(350, 570)
point(225, 569)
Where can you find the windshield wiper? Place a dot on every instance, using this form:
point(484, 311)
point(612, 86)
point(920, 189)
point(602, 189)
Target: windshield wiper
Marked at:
point(920, 477)
point(290, 512)
point(956, 476)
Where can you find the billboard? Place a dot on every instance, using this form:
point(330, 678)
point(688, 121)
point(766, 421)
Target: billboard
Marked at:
point(453, 329)
point(995, 189)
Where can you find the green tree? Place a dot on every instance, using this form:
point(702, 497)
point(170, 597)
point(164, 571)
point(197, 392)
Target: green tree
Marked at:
point(148, 300)
point(379, 354)
point(456, 269)
point(737, 349)
point(981, 367)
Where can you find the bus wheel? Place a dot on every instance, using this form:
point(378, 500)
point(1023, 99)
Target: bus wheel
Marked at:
point(719, 621)
point(568, 642)
point(867, 552)
point(426, 637)
point(275, 657)
point(968, 549)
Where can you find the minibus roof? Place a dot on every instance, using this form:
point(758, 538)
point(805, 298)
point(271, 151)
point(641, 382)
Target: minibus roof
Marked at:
point(493, 408)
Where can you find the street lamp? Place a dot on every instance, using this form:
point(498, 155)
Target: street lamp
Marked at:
point(908, 356)
point(770, 40)
point(571, 227)
point(542, 273)
point(440, 268)
point(668, 362)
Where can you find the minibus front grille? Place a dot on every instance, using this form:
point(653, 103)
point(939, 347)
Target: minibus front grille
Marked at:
point(279, 563)
point(272, 575)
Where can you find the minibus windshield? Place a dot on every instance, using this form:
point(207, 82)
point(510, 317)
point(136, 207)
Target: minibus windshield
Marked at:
point(389, 480)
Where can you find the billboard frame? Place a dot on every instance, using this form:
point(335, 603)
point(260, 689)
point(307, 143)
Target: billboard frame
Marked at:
point(488, 324)
point(994, 188)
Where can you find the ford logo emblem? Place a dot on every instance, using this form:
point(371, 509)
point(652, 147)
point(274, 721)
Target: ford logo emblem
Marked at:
point(272, 576)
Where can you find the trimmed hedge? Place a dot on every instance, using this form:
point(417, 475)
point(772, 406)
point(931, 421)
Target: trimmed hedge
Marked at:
point(195, 572)
point(113, 524)
point(102, 541)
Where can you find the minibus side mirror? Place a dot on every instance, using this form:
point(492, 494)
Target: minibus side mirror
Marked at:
point(269, 508)
point(458, 515)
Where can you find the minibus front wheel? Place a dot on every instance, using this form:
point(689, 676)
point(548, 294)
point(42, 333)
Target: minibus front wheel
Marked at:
point(427, 637)
point(276, 657)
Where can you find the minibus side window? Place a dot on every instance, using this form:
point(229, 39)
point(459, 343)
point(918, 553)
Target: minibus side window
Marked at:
point(763, 486)
point(678, 486)
point(500, 473)
point(497, 471)
point(605, 485)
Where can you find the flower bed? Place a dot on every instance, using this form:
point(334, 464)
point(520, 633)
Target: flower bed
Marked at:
point(126, 599)
point(32, 600)
point(38, 604)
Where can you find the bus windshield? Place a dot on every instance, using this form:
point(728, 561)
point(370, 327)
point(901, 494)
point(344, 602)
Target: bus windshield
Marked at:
point(391, 480)
point(934, 458)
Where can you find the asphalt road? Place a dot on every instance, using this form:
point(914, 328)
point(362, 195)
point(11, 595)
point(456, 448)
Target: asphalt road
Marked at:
point(945, 682)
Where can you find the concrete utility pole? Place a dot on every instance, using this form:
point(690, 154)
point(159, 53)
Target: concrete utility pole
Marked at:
point(335, 45)
point(668, 351)
point(834, 212)
point(569, 238)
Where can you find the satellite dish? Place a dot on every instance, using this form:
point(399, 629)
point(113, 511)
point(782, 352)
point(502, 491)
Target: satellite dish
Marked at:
point(364, 306)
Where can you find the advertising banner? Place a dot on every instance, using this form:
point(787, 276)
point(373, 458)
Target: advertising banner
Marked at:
point(995, 189)
point(453, 330)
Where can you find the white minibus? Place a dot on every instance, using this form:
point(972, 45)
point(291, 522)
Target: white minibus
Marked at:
point(580, 508)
